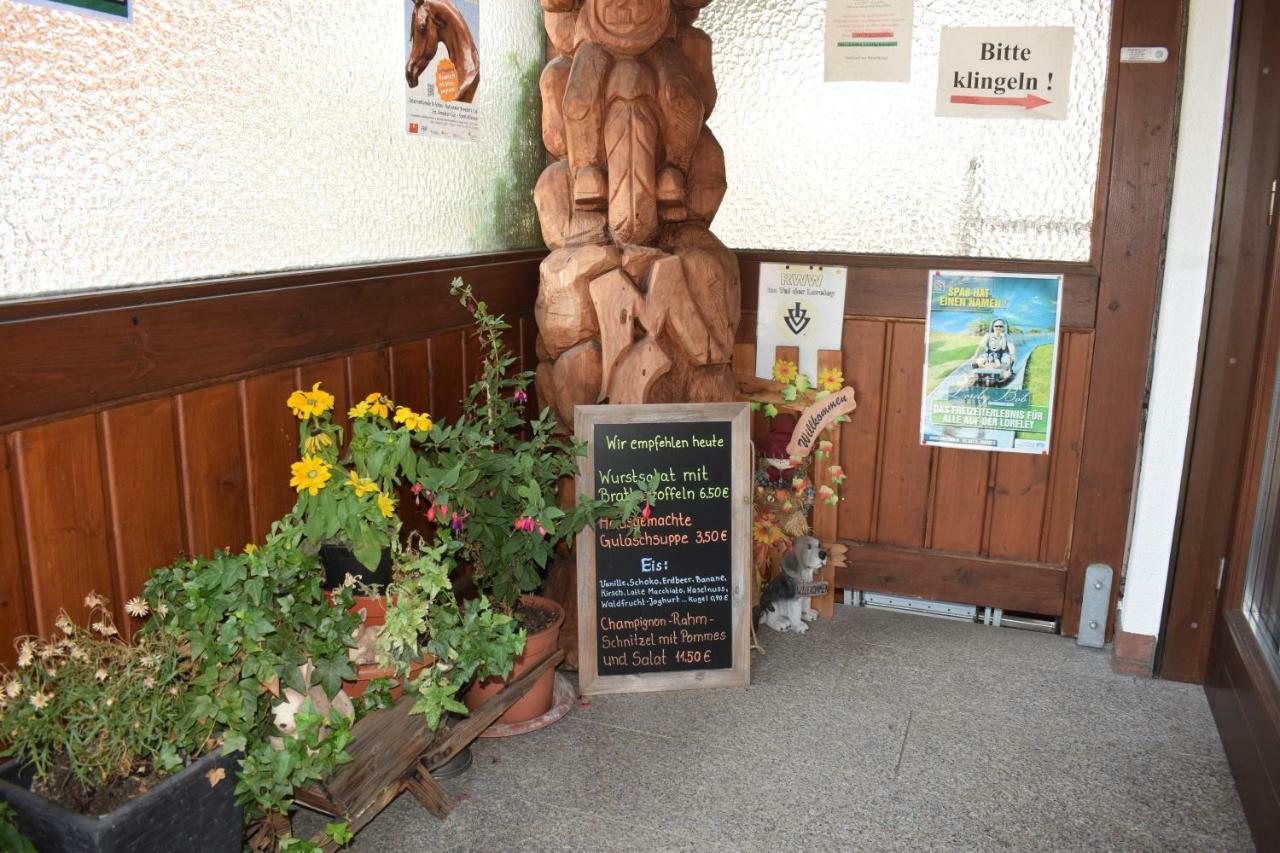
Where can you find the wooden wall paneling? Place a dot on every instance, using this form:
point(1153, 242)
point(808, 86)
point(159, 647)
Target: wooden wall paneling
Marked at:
point(367, 373)
point(140, 450)
point(1064, 455)
point(958, 505)
point(905, 465)
point(62, 507)
point(1017, 511)
point(270, 447)
point(16, 619)
point(214, 492)
point(1012, 585)
point(1137, 196)
point(448, 384)
point(332, 376)
point(826, 518)
point(411, 375)
point(155, 341)
point(864, 345)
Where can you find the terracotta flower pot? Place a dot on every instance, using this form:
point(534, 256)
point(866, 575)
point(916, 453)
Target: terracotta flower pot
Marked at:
point(537, 646)
point(367, 672)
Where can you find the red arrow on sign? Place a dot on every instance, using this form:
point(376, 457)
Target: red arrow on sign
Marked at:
point(1029, 102)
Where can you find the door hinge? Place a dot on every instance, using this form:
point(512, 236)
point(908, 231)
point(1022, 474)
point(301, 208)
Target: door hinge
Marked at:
point(1271, 203)
point(1222, 568)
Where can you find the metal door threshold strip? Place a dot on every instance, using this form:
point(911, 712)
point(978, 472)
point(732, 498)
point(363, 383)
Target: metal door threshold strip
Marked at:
point(993, 616)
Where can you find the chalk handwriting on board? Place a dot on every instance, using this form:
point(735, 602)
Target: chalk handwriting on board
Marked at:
point(662, 595)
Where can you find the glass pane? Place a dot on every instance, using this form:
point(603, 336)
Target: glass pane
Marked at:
point(867, 167)
point(242, 136)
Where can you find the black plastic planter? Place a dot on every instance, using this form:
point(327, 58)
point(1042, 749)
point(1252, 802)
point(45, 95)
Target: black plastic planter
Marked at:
point(339, 561)
point(184, 812)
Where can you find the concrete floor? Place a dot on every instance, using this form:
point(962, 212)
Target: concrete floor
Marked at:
point(874, 731)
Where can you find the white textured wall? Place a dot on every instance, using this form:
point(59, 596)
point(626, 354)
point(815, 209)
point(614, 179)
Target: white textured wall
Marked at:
point(1195, 189)
point(237, 136)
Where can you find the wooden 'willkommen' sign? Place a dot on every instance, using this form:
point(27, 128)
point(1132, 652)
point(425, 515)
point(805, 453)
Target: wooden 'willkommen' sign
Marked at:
point(663, 601)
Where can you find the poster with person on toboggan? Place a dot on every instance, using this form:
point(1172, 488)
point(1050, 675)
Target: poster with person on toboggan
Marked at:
point(991, 353)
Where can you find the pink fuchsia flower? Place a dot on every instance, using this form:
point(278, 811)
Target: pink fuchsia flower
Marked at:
point(520, 396)
point(524, 523)
point(417, 489)
point(456, 523)
point(646, 512)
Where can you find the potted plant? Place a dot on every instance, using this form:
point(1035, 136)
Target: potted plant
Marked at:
point(490, 483)
point(424, 637)
point(104, 757)
point(346, 498)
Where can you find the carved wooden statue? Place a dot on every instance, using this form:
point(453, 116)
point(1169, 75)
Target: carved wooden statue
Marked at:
point(638, 301)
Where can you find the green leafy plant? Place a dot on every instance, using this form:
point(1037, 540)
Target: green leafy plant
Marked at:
point(490, 480)
point(251, 621)
point(86, 709)
point(11, 839)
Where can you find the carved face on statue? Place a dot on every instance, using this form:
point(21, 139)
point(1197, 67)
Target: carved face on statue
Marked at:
point(626, 26)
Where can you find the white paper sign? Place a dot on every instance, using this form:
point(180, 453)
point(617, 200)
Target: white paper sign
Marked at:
point(1005, 72)
point(869, 40)
point(442, 68)
point(800, 306)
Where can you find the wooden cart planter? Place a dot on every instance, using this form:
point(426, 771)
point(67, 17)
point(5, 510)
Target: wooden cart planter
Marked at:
point(392, 752)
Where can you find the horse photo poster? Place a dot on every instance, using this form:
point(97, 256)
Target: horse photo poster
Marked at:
point(442, 68)
point(114, 10)
point(991, 355)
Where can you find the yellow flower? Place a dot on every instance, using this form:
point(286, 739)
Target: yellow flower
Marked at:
point(784, 370)
point(309, 404)
point(831, 379)
point(248, 549)
point(362, 485)
point(379, 404)
point(412, 420)
point(358, 411)
point(310, 473)
point(318, 442)
point(386, 506)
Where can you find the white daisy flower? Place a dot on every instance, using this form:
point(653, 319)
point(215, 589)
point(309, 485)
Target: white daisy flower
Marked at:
point(137, 607)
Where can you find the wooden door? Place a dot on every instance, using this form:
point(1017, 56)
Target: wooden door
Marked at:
point(1007, 530)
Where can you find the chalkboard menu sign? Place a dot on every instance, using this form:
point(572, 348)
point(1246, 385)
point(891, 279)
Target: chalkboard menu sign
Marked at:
point(663, 598)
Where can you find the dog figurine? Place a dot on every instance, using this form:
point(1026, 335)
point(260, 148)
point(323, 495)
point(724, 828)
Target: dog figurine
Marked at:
point(782, 607)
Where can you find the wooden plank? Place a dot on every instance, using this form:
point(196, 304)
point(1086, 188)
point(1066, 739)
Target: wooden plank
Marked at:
point(1017, 510)
point(16, 619)
point(367, 373)
point(826, 519)
point(958, 505)
point(270, 447)
point(62, 510)
point(140, 449)
point(1245, 701)
point(864, 342)
point(1024, 587)
point(448, 382)
point(904, 471)
point(1146, 104)
point(1064, 453)
point(411, 375)
point(1238, 361)
point(893, 286)
point(154, 347)
point(214, 494)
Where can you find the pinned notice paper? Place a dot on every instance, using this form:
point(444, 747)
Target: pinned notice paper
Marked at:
point(869, 40)
point(1005, 72)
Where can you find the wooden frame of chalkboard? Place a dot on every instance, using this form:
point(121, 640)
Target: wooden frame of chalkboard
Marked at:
point(674, 587)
